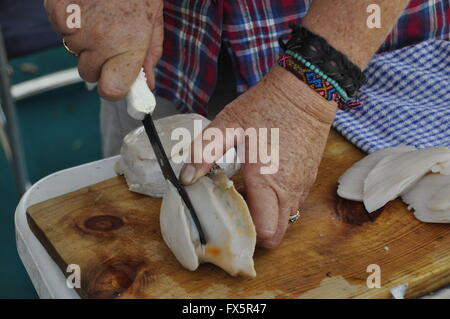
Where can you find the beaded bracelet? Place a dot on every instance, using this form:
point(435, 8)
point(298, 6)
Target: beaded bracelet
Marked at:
point(317, 80)
point(319, 72)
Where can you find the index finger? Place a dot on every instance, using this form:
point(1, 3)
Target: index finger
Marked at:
point(202, 159)
point(58, 13)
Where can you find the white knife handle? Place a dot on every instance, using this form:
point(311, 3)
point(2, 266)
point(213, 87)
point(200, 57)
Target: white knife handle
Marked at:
point(140, 100)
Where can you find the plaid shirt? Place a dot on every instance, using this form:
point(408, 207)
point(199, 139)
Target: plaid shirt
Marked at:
point(249, 29)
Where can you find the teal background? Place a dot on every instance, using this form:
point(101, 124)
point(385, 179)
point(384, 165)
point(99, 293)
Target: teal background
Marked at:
point(60, 129)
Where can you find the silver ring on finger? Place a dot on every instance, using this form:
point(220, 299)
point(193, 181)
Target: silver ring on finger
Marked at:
point(294, 218)
point(68, 49)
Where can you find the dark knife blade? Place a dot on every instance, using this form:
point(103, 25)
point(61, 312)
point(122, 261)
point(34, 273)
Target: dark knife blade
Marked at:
point(168, 172)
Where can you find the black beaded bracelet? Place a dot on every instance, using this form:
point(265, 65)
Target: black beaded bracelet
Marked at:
point(333, 63)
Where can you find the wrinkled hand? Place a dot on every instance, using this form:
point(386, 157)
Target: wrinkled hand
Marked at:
point(304, 118)
point(115, 40)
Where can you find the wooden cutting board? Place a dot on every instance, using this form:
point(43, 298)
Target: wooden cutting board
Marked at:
point(114, 236)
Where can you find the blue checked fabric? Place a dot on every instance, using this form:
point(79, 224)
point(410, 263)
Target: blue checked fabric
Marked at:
point(406, 100)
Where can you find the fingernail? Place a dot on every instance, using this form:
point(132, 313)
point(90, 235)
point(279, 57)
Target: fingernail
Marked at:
point(111, 91)
point(187, 174)
point(266, 233)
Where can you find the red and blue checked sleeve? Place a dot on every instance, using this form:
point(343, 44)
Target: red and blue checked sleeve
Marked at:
point(249, 29)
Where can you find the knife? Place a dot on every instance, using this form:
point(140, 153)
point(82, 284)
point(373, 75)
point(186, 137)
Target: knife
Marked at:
point(140, 105)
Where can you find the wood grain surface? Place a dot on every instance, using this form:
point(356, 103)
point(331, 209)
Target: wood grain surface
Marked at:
point(114, 236)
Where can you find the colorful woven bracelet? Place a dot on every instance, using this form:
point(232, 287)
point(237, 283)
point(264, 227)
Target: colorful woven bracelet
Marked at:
point(318, 71)
point(317, 80)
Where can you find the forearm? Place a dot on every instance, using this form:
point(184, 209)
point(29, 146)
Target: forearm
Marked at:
point(343, 24)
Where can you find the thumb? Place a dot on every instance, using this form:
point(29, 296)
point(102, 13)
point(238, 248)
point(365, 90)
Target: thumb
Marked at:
point(209, 147)
point(119, 73)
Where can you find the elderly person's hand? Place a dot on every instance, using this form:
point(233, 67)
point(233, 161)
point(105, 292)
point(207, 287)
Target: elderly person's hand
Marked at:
point(304, 118)
point(115, 40)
